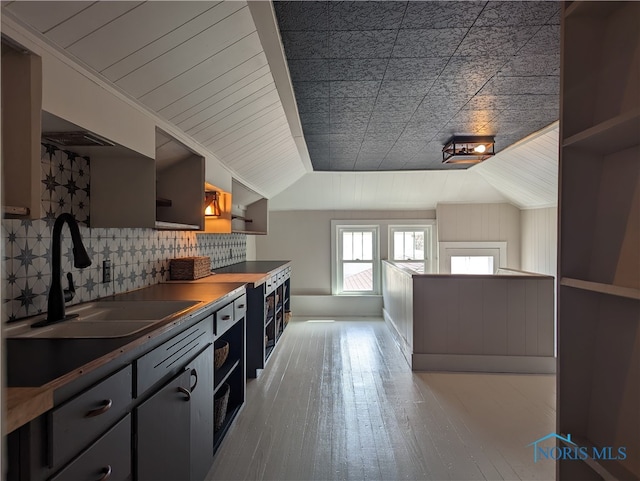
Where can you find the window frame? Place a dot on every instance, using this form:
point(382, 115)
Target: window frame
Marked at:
point(337, 228)
point(496, 249)
point(429, 244)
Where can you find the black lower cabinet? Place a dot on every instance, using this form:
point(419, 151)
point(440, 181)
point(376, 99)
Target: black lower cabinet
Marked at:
point(175, 425)
point(108, 458)
point(201, 415)
point(163, 426)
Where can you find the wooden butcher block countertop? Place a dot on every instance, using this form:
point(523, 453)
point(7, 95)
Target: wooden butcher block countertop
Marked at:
point(36, 369)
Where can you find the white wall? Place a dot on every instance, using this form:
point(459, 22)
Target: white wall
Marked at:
point(304, 237)
point(539, 228)
point(481, 222)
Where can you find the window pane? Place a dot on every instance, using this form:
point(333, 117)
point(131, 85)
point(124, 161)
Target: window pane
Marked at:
point(471, 264)
point(357, 246)
point(419, 246)
point(347, 246)
point(367, 246)
point(357, 276)
point(398, 245)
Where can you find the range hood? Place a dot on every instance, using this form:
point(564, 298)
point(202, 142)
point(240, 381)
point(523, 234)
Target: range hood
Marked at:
point(76, 139)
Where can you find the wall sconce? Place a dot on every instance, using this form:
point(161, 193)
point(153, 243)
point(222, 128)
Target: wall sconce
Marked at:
point(468, 150)
point(211, 204)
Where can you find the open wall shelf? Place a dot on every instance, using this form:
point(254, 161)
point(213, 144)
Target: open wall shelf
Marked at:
point(599, 234)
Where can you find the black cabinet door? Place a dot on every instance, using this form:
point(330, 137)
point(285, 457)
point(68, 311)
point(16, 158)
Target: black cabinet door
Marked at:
point(163, 428)
point(201, 371)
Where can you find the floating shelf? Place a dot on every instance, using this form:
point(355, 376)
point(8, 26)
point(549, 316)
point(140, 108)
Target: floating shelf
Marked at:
point(160, 202)
point(628, 292)
point(10, 210)
point(161, 225)
point(613, 135)
point(252, 232)
point(224, 372)
point(239, 217)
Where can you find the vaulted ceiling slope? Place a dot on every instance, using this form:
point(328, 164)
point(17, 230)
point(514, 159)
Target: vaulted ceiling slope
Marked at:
point(382, 85)
point(525, 175)
point(198, 64)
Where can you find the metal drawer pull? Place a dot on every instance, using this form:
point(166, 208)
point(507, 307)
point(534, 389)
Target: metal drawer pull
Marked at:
point(226, 318)
point(101, 410)
point(186, 392)
point(107, 473)
point(240, 306)
point(194, 373)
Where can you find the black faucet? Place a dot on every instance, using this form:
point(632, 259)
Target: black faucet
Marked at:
point(58, 296)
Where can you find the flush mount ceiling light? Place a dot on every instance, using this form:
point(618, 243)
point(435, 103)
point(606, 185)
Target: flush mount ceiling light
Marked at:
point(212, 206)
point(468, 150)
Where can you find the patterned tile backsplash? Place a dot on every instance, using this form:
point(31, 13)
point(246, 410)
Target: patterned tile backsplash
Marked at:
point(139, 257)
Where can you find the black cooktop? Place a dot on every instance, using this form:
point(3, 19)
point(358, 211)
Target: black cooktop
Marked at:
point(251, 267)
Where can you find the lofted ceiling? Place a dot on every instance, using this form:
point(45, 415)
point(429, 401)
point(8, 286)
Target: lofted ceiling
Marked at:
point(525, 175)
point(379, 86)
point(382, 85)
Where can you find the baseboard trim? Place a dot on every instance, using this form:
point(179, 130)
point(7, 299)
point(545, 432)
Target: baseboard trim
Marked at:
point(480, 363)
point(405, 348)
point(336, 306)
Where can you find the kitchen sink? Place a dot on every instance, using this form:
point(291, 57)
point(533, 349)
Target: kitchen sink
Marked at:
point(104, 319)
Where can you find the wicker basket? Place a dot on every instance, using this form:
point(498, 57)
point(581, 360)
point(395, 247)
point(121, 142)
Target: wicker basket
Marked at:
point(220, 403)
point(190, 268)
point(220, 353)
point(287, 317)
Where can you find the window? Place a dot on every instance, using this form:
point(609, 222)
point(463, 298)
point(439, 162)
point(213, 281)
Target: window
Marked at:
point(410, 246)
point(472, 265)
point(472, 257)
point(358, 260)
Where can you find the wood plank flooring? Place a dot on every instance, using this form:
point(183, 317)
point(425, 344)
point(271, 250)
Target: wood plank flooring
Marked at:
point(337, 401)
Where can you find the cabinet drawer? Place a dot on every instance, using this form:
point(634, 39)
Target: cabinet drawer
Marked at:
point(239, 307)
point(108, 458)
point(224, 319)
point(168, 358)
point(78, 422)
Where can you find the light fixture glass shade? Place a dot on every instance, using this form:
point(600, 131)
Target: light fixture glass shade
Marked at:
point(468, 149)
point(212, 206)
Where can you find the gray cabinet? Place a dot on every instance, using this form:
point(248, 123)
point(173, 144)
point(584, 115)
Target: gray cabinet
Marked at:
point(201, 414)
point(175, 425)
point(163, 428)
point(108, 458)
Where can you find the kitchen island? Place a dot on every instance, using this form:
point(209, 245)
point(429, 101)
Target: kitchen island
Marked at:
point(81, 407)
point(486, 323)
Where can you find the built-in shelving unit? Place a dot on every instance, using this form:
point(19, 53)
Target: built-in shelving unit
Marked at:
point(268, 304)
point(231, 372)
point(599, 234)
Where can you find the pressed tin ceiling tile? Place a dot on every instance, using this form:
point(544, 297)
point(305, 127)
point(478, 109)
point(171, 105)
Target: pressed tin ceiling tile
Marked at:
point(366, 15)
point(428, 42)
point(361, 43)
point(516, 13)
point(396, 78)
point(356, 68)
point(489, 40)
point(420, 68)
point(441, 14)
point(306, 44)
point(354, 88)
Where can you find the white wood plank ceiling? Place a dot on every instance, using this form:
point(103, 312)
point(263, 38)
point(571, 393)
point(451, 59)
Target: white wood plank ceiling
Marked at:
point(198, 64)
point(527, 172)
